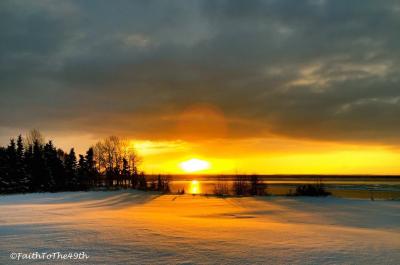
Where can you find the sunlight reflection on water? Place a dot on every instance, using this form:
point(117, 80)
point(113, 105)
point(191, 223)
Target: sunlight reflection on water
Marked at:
point(194, 187)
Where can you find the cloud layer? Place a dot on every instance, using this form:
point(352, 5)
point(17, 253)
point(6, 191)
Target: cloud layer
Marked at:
point(326, 70)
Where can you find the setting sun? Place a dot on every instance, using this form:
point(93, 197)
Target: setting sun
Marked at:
point(194, 165)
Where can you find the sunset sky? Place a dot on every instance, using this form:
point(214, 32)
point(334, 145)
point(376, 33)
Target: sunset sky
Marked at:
point(247, 86)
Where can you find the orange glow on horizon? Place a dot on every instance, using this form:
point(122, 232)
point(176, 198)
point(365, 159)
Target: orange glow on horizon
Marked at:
point(260, 156)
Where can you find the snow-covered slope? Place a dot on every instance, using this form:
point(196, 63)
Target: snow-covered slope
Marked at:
point(132, 227)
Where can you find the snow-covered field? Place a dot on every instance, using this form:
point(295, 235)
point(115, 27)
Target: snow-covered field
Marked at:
point(132, 227)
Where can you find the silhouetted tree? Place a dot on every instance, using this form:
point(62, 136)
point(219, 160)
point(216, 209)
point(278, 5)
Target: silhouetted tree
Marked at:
point(142, 183)
point(92, 173)
point(33, 136)
point(12, 174)
point(3, 170)
point(28, 164)
point(241, 185)
point(41, 175)
point(55, 166)
point(165, 184)
point(20, 149)
point(82, 173)
point(126, 173)
point(160, 184)
point(111, 154)
point(153, 184)
point(311, 190)
point(257, 187)
point(134, 180)
point(221, 187)
point(70, 170)
point(23, 178)
point(86, 171)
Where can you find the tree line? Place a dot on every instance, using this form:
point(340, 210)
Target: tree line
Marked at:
point(242, 185)
point(29, 164)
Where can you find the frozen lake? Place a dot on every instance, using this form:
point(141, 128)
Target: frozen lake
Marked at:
point(356, 187)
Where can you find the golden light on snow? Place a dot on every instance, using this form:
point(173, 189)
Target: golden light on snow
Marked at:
point(194, 165)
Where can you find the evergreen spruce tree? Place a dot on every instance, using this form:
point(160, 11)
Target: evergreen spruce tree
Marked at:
point(55, 166)
point(82, 173)
point(23, 178)
point(126, 174)
point(91, 167)
point(20, 149)
point(142, 182)
point(28, 164)
point(70, 170)
point(41, 175)
point(3, 170)
point(160, 185)
point(11, 176)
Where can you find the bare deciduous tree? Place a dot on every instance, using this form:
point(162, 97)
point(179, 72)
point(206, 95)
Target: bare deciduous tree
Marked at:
point(114, 155)
point(33, 136)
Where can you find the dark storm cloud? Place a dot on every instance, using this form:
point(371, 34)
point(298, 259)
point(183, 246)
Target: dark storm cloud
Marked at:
point(316, 69)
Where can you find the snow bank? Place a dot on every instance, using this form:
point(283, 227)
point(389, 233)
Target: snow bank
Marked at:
point(132, 227)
